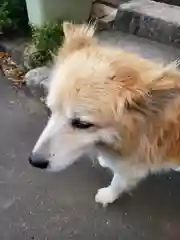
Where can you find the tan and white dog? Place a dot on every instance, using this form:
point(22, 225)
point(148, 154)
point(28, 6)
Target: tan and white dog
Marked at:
point(125, 108)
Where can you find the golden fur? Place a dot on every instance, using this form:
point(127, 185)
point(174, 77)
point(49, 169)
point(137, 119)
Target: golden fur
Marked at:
point(140, 97)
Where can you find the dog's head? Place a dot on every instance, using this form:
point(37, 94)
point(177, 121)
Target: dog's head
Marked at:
point(88, 96)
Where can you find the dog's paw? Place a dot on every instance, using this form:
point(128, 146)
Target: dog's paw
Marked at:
point(102, 162)
point(105, 196)
point(177, 169)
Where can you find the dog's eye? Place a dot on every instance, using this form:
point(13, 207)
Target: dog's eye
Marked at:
point(77, 123)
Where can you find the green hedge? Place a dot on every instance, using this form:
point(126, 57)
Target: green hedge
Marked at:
point(45, 42)
point(13, 16)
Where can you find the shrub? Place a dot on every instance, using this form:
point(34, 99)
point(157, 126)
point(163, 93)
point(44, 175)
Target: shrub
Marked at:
point(5, 21)
point(13, 16)
point(45, 43)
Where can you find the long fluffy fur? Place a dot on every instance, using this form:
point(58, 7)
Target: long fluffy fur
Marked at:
point(147, 93)
point(133, 103)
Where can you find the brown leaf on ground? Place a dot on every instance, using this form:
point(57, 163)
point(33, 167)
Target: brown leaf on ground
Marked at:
point(11, 70)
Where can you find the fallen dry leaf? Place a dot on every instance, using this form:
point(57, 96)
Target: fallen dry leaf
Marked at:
point(11, 70)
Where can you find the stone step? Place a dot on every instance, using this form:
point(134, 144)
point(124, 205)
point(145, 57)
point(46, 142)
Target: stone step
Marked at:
point(104, 13)
point(150, 19)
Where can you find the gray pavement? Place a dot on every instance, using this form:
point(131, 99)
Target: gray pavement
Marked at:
point(43, 206)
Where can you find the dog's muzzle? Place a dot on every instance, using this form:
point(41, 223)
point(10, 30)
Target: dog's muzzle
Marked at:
point(38, 161)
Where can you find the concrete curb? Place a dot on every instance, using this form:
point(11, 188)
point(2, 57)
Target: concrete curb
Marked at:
point(150, 19)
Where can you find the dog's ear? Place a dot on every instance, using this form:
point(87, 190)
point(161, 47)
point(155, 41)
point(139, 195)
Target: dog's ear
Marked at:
point(147, 92)
point(76, 37)
point(152, 102)
point(78, 30)
point(132, 90)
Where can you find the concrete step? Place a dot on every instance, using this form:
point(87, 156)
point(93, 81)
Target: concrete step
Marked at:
point(150, 19)
point(146, 48)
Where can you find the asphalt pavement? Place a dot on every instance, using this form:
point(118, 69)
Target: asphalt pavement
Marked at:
point(35, 205)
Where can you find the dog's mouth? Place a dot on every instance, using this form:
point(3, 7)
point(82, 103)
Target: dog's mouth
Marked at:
point(55, 162)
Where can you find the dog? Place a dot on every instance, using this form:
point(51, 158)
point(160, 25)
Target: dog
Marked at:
point(123, 107)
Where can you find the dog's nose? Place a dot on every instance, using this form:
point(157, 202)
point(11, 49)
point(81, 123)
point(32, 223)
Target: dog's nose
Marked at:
point(38, 161)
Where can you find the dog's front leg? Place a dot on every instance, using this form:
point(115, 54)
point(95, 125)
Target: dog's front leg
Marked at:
point(109, 194)
point(121, 182)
